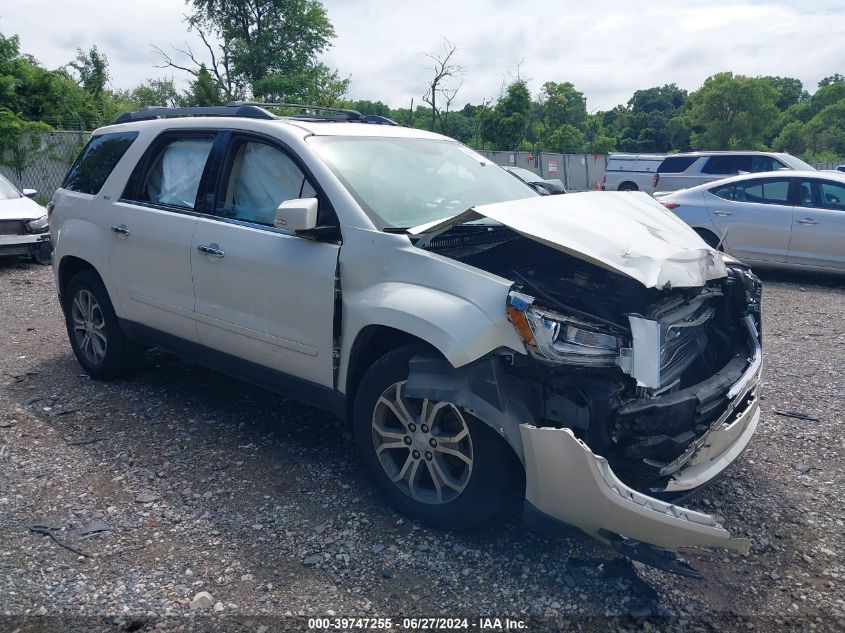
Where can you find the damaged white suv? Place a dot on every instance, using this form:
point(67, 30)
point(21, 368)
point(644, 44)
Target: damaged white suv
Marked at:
point(587, 350)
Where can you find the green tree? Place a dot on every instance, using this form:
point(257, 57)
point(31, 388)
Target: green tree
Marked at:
point(93, 70)
point(505, 125)
point(564, 117)
point(733, 112)
point(264, 48)
point(204, 90)
point(790, 91)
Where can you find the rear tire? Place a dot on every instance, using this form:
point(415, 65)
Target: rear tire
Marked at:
point(431, 460)
point(628, 186)
point(94, 331)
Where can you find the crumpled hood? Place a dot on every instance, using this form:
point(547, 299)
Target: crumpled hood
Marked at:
point(20, 209)
point(625, 232)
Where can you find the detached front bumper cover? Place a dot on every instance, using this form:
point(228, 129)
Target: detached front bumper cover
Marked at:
point(566, 481)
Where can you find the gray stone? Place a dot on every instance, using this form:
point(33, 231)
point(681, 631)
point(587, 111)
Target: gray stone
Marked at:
point(203, 600)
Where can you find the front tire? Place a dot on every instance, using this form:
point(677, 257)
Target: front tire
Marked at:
point(431, 460)
point(94, 331)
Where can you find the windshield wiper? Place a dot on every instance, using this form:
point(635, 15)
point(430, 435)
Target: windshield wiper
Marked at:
point(396, 229)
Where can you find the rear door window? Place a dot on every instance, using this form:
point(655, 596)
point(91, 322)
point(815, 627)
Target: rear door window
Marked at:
point(676, 164)
point(763, 190)
point(721, 165)
point(96, 161)
point(171, 172)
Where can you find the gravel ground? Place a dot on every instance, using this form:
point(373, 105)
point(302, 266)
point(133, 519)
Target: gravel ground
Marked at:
point(183, 481)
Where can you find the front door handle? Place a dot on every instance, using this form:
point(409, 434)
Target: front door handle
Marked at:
point(723, 213)
point(807, 221)
point(120, 229)
point(211, 249)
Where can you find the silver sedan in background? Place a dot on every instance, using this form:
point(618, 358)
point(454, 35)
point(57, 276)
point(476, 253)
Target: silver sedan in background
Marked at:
point(782, 219)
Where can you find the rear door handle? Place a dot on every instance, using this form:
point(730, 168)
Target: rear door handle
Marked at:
point(807, 221)
point(211, 249)
point(723, 213)
point(120, 229)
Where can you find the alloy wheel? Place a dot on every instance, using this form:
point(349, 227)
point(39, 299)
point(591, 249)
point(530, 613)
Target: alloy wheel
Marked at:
point(424, 446)
point(89, 326)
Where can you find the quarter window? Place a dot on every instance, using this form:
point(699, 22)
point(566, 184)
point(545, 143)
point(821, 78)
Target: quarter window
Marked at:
point(765, 163)
point(96, 161)
point(261, 178)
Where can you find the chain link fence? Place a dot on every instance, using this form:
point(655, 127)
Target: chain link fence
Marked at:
point(50, 164)
point(578, 172)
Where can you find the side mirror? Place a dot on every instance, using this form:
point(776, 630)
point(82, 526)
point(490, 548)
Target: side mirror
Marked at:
point(296, 215)
point(539, 188)
point(30, 193)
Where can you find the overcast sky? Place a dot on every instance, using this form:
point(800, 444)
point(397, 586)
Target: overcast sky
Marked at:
point(607, 49)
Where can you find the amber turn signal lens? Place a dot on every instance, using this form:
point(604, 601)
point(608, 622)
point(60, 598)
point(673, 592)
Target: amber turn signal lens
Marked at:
point(517, 317)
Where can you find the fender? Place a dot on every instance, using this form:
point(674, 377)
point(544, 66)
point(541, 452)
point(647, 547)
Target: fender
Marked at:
point(464, 317)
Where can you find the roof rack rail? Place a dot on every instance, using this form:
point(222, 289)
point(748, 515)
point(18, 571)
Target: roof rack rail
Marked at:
point(148, 113)
point(343, 114)
point(252, 110)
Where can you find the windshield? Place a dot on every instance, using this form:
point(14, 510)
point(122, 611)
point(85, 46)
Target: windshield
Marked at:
point(403, 182)
point(795, 163)
point(7, 191)
point(526, 175)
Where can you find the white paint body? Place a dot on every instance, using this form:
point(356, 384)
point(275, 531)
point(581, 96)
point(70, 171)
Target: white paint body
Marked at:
point(270, 298)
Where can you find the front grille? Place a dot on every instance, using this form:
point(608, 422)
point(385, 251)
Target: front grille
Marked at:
point(11, 227)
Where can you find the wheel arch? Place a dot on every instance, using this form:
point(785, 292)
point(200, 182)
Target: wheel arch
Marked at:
point(708, 235)
point(69, 267)
point(371, 343)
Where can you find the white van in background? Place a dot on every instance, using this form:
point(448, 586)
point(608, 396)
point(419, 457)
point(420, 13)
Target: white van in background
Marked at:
point(631, 172)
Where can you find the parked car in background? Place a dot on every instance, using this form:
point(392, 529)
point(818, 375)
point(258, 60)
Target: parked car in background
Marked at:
point(680, 171)
point(24, 227)
point(840, 168)
point(551, 186)
point(630, 172)
point(787, 219)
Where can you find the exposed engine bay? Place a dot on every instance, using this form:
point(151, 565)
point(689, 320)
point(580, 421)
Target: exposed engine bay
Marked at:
point(639, 374)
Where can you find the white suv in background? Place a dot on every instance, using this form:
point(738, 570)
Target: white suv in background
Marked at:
point(681, 171)
point(486, 343)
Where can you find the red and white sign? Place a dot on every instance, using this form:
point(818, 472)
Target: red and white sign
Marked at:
point(553, 166)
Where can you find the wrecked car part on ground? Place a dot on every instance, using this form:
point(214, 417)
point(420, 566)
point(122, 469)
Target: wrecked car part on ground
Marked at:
point(628, 394)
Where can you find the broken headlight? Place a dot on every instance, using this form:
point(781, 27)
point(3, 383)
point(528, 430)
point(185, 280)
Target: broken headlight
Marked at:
point(39, 225)
point(559, 338)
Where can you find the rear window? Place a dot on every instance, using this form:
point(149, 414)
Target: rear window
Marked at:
point(96, 161)
point(676, 164)
point(765, 191)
